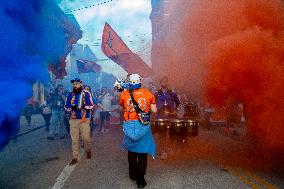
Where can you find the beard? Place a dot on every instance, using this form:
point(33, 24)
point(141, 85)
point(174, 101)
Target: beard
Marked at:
point(77, 90)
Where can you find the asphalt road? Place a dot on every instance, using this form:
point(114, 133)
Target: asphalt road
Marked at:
point(210, 160)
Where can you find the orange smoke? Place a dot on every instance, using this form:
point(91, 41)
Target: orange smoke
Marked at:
point(247, 65)
point(231, 51)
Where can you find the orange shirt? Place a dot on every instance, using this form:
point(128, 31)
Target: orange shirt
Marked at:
point(144, 99)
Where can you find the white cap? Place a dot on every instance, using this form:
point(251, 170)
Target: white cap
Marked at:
point(134, 79)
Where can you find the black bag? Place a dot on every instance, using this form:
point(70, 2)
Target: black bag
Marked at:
point(144, 117)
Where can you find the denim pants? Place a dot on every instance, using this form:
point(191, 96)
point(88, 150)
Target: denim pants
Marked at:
point(57, 123)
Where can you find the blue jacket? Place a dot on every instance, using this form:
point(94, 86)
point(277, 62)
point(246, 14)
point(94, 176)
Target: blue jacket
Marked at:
point(83, 101)
point(138, 138)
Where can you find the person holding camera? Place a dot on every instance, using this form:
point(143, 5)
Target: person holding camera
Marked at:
point(137, 103)
point(79, 104)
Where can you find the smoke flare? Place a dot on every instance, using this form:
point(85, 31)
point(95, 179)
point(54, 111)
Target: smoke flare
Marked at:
point(229, 52)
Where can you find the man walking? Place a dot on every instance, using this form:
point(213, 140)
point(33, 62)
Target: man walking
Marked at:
point(79, 103)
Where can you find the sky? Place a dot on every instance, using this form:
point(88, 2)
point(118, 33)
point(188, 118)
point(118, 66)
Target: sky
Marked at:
point(129, 18)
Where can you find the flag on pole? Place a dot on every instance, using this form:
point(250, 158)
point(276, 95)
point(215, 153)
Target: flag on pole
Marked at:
point(85, 66)
point(114, 48)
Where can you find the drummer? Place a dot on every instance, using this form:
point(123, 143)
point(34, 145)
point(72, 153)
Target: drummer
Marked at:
point(167, 100)
point(167, 103)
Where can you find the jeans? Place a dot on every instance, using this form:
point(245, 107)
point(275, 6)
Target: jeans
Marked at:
point(46, 118)
point(105, 119)
point(57, 122)
point(29, 119)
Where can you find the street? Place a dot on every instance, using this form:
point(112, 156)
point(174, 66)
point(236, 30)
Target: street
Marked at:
point(31, 161)
point(211, 69)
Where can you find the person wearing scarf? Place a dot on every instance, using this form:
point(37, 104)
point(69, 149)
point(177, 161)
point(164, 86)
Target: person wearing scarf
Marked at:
point(79, 104)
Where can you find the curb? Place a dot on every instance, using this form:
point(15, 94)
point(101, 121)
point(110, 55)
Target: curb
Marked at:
point(29, 131)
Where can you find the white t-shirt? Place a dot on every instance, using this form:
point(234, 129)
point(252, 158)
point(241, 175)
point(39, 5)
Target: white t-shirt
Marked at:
point(106, 102)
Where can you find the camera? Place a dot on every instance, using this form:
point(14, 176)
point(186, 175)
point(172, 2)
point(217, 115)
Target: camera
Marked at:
point(120, 85)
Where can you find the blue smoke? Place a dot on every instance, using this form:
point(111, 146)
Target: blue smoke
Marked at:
point(32, 35)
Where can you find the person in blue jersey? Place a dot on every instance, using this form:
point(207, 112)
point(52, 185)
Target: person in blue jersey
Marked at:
point(79, 104)
point(138, 139)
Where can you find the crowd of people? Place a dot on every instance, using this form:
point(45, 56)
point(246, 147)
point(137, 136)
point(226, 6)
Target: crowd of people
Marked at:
point(56, 117)
point(78, 112)
point(106, 101)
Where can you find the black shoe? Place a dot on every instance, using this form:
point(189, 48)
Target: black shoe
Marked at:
point(141, 185)
point(89, 155)
point(74, 161)
point(50, 138)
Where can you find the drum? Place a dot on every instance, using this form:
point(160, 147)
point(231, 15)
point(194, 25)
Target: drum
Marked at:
point(178, 127)
point(192, 127)
point(183, 128)
point(190, 110)
point(160, 125)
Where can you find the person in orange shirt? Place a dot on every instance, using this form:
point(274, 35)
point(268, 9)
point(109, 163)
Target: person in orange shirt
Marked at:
point(138, 139)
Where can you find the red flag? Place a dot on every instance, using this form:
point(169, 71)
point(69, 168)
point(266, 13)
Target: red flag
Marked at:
point(85, 66)
point(69, 23)
point(114, 48)
point(58, 69)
